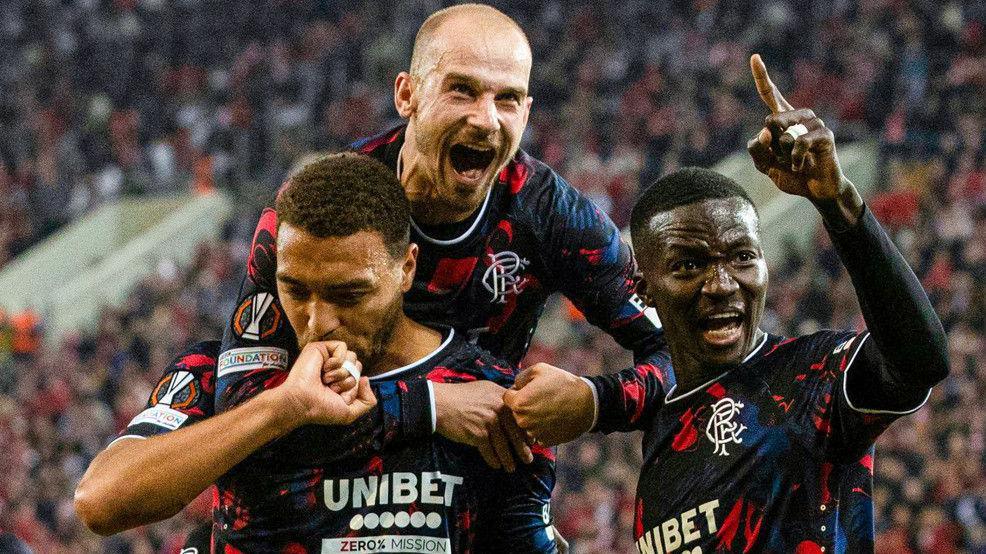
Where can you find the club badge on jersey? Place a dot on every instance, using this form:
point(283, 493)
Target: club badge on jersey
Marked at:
point(721, 429)
point(503, 276)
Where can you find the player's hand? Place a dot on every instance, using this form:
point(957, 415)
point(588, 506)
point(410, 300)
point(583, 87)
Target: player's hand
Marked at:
point(342, 374)
point(796, 150)
point(474, 414)
point(551, 404)
point(306, 400)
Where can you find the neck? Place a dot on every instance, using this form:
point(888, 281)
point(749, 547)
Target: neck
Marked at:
point(409, 343)
point(427, 204)
point(690, 372)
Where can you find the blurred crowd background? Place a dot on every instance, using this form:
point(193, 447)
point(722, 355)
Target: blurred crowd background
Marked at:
point(107, 98)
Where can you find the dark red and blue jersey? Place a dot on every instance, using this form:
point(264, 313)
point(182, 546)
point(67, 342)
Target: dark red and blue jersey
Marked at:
point(772, 456)
point(185, 394)
point(533, 235)
point(325, 489)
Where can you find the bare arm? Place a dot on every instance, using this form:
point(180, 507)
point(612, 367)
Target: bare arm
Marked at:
point(127, 484)
point(135, 482)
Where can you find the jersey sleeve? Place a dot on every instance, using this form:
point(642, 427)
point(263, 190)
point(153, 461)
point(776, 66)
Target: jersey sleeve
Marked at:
point(258, 321)
point(627, 400)
point(866, 399)
point(888, 371)
point(832, 423)
point(594, 268)
point(183, 395)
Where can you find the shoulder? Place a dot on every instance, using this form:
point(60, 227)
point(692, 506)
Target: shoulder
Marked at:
point(553, 207)
point(199, 358)
point(464, 361)
point(811, 361)
point(190, 375)
point(535, 184)
point(376, 143)
point(806, 347)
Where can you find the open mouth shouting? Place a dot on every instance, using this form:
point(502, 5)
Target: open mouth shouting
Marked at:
point(722, 329)
point(470, 163)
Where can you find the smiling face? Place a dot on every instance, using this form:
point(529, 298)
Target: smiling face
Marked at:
point(704, 271)
point(467, 105)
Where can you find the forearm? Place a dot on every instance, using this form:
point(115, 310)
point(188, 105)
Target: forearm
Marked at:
point(136, 482)
point(901, 320)
point(627, 399)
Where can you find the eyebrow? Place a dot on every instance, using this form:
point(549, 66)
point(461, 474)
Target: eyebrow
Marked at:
point(701, 245)
point(345, 285)
point(476, 83)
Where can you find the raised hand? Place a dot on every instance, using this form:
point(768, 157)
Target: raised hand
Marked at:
point(795, 148)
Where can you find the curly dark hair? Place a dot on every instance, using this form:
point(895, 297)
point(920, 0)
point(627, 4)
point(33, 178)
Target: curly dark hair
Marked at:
point(687, 185)
point(342, 194)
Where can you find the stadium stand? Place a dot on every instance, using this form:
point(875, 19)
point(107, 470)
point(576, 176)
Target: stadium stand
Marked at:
point(107, 99)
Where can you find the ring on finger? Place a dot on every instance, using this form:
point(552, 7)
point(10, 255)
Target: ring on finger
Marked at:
point(796, 130)
point(352, 369)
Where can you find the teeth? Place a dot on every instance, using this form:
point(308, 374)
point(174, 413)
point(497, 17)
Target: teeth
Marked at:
point(724, 316)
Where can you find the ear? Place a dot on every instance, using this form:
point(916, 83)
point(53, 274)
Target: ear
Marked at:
point(640, 287)
point(527, 109)
point(409, 267)
point(404, 99)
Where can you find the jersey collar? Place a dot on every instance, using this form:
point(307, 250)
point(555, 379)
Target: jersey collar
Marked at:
point(431, 356)
point(753, 354)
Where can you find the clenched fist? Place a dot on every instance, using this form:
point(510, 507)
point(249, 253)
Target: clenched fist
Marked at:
point(552, 405)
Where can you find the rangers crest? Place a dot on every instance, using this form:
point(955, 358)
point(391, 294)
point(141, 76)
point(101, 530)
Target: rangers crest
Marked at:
point(503, 277)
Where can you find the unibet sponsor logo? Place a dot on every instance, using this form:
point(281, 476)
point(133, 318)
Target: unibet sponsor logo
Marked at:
point(249, 359)
point(680, 531)
point(388, 543)
point(400, 520)
point(429, 487)
point(162, 416)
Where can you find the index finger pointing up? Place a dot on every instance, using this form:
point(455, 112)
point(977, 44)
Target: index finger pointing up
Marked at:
point(766, 88)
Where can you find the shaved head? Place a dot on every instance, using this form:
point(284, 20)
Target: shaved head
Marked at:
point(430, 42)
point(466, 101)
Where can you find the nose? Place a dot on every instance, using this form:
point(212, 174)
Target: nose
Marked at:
point(484, 115)
point(720, 281)
point(323, 319)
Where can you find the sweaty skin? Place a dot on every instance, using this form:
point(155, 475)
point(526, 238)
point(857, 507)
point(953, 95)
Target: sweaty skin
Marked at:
point(466, 88)
point(705, 267)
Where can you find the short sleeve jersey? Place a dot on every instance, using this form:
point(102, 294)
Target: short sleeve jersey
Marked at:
point(183, 395)
point(315, 490)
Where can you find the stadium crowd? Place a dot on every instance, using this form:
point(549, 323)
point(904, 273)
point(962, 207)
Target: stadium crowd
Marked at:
point(145, 96)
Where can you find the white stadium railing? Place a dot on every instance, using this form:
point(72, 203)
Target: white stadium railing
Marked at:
point(96, 260)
